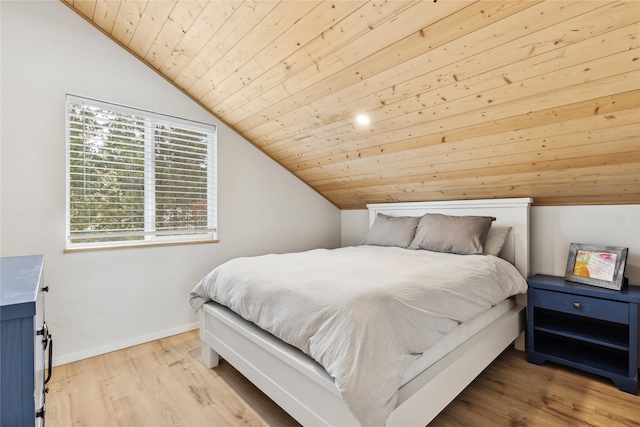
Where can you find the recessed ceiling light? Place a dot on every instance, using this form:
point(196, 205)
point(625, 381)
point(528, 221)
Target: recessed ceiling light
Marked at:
point(363, 120)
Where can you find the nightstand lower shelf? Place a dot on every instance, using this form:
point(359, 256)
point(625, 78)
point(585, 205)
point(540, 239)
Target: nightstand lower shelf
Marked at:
point(588, 364)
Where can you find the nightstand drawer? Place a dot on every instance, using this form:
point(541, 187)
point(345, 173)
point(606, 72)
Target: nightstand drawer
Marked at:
point(579, 305)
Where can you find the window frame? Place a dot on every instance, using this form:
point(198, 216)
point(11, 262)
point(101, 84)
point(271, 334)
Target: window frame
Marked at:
point(150, 236)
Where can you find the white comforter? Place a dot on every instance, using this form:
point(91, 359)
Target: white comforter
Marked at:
point(364, 313)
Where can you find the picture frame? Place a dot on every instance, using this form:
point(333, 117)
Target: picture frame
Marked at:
point(601, 266)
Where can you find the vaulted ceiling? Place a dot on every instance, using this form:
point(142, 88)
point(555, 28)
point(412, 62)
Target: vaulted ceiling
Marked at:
point(467, 99)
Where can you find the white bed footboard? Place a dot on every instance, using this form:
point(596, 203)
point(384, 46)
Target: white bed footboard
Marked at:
point(289, 377)
point(304, 390)
point(423, 398)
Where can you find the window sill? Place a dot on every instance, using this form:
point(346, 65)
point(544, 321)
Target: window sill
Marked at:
point(137, 245)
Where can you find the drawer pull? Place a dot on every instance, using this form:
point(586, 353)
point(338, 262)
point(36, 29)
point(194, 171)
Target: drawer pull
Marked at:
point(577, 305)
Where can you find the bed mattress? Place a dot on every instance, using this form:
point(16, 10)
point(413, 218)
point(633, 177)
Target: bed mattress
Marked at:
point(453, 339)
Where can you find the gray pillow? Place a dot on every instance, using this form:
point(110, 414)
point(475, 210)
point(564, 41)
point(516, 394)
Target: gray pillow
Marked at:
point(496, 239)
point(463, 235)
point(392, 231)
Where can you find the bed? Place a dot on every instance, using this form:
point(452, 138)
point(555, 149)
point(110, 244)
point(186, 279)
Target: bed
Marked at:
point(304, 389)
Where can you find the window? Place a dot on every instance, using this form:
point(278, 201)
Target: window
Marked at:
point(136, 177)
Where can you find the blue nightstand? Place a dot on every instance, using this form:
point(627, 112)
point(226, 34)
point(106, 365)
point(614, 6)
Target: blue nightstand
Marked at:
point(584, 327)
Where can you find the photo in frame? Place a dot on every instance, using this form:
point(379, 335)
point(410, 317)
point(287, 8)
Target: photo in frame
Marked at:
point(601, 266)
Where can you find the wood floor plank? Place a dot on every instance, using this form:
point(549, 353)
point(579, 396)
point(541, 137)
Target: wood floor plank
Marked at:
point(162, 383)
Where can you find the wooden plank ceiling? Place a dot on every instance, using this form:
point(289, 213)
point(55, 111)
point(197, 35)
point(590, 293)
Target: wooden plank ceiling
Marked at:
point(467, 99)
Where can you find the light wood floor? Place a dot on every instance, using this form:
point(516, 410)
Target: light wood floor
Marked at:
point(162, 383)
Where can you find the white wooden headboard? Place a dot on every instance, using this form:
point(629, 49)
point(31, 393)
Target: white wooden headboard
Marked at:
point(508, 212)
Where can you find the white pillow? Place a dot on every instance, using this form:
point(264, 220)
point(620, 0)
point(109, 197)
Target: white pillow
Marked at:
point(496, 239)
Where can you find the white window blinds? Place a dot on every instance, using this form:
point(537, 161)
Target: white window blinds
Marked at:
point(135, 176)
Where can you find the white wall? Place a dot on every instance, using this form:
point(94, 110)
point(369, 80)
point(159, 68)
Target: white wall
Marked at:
point(105, 300)
point(552, 230)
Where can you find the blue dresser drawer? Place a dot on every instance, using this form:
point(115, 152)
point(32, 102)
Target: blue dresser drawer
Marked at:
point(595, 308)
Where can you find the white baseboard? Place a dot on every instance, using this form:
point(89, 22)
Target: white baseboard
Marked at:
point(64, 359)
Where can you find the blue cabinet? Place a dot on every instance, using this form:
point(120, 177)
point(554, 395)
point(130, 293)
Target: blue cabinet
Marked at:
point(585, 327)
point(24, 342)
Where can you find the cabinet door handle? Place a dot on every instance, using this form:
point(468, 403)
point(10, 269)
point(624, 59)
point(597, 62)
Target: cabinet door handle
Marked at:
point(577, 305)
point(50, 370)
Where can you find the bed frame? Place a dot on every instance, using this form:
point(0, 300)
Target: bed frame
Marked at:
point(305, 390)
